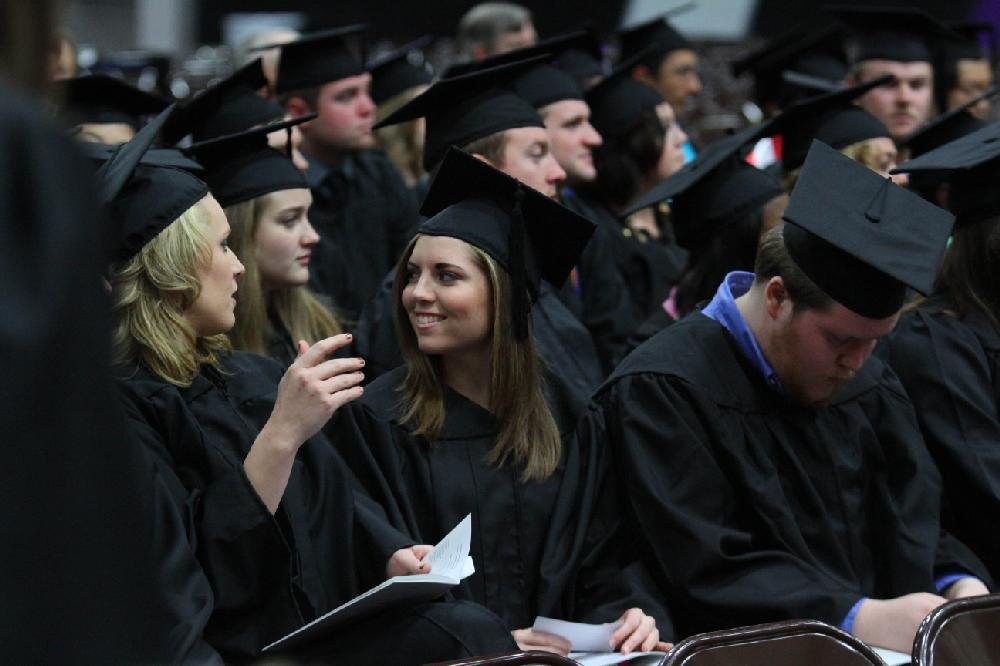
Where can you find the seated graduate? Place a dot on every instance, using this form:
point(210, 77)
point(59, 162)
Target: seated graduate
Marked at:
point(474, 423)
point(266, 200)
point(774, 470)
point(274, 517)
point(480, 113)
point(92, 567)
point(719, 207)
point(946, 349)
point(597, 293)
point(835, 119)
point(642, 145)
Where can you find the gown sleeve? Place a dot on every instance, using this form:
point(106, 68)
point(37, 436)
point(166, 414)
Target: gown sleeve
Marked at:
point(241, 547)
point(607, 580)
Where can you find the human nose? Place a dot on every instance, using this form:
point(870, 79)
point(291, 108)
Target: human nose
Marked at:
point(238, 265)
point(592, 138)
point(420, 289)
point(366, 104)
point(856, 356)
point(555, 172)
point(694, 84)
point(309, 235)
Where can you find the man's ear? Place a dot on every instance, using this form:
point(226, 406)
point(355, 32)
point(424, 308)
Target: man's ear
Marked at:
point(296, 106)
point(775, 295)
point(643, 74)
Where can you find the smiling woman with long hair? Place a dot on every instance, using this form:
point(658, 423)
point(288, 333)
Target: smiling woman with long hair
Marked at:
point(473, 422)
point(272, 515)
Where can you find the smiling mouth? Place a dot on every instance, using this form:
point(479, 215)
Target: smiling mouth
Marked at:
point(427, 320)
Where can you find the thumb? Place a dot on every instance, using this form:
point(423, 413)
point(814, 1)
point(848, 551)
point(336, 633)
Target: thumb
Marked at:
point(303, 347)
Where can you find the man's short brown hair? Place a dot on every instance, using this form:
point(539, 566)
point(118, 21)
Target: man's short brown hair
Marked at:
point(773, 260)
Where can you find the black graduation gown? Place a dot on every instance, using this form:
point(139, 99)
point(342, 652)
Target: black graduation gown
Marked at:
point(269, 573)
point(600, 300)
point(648, 269)
point(365, 215)
point(750, 509)
point(949, 367)
point(547, 548)
point(89, 574)
point(562, 340)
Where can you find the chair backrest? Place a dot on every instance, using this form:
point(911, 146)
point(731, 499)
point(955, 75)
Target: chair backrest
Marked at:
point(512, 659)
point(792, 642)
point(964, 631)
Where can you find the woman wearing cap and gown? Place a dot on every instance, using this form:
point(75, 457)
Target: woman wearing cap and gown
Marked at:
point(473, 423)
point(946, 348)
point(273, 516)
point(643, 144)
point(719, 208)
point(266, 200)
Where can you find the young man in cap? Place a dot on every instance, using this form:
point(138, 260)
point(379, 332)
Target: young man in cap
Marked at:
point(361, 208)
point(596, 292)
point(669, 63)
point(775, 470)
point(901, 42)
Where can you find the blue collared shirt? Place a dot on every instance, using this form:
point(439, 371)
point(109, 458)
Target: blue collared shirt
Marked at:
point(723, 309)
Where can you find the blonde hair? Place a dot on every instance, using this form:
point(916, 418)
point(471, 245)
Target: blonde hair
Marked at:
point(300, 311)
point(401, 141)
point(527, 433)
point(150, 293)
point(862, 152)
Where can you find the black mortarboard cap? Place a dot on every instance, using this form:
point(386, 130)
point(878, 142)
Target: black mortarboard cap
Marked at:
point(971, 164)
point(229, 106)
point(619, 101)
point(584, 60)
point(900, 34)
point(462, 109)
point(714, 189)
point(143, 199)
point(968, 44)
point(654, 37)
point(529, 234)
point(319, 58)
point(399, 71)
point(242, 166)
point(833, 118)
point(816, 53)
point(98, 98)
point(948, 126)
point(164, 157)
point(861, 238)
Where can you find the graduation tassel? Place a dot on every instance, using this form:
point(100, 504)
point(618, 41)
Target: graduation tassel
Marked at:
point(518, 271)
point(288, 144)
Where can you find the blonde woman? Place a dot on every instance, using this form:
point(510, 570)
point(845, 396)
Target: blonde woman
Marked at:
point(266, 200)
point(272, 514)
point(473, 423)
